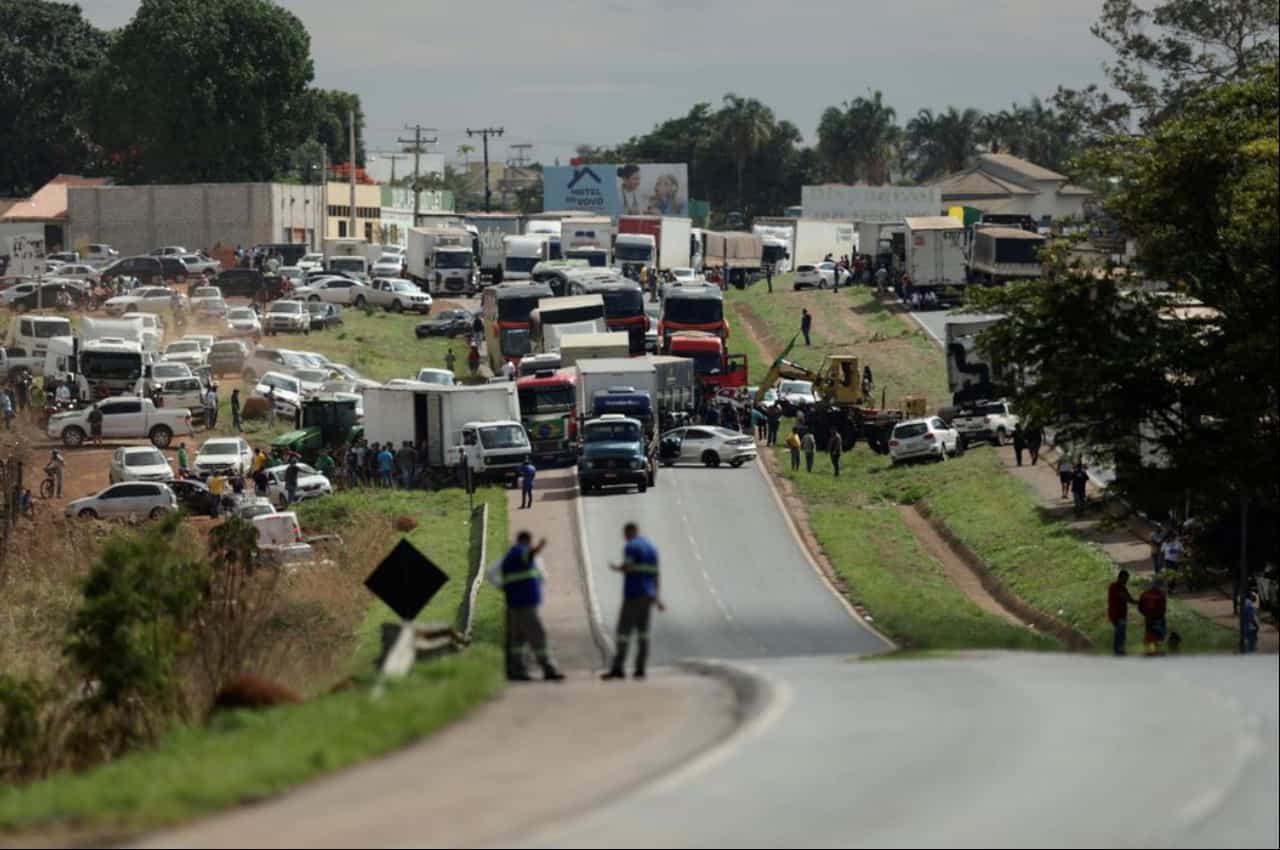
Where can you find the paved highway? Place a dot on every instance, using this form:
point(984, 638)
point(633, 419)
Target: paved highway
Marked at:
point(736, 581)
point(985, 751)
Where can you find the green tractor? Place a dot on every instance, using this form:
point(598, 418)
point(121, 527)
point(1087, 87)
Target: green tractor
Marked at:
point(326, 421)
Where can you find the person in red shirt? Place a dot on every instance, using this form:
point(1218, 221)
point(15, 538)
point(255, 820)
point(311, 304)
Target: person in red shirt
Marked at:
point(1118, 601)
point(1152, 604)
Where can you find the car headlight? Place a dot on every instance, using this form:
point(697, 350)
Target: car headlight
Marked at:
point(636, 463)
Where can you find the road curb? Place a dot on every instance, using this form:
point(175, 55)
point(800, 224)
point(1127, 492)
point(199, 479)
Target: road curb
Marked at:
point(475, 576)
point(594, 619)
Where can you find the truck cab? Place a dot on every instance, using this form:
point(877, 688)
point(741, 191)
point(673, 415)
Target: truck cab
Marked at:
point(633, 250)
point(494, 450)
point(615, 453)
point(522, 253)
point(327, 420)
point(548, 408)
point(715, 368)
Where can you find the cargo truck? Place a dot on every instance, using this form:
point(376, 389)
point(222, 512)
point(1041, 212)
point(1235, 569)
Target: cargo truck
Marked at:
point(616, 400)
point(595, 231)
point(1001, 254)
point(815, 239)
point(677, 387)
point(971, 375)
point(741, 253)
point(578, 347)
point(669, 244)
point(549, 411)
point(935, 259)
point(777, 242)
point(351, 248)
point(460, 426)
point(492, 229)
point(522, 253)
point(441, 261)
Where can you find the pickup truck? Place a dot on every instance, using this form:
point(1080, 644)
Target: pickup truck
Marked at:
point(985, 420)
point(397, 295)
point(123, 417)
point(614, 454)
point(14, 361)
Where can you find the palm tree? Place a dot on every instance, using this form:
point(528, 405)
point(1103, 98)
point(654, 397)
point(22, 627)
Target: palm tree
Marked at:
point(465, 151)
point(944, 143)
point(859, 140)
point(747, 123)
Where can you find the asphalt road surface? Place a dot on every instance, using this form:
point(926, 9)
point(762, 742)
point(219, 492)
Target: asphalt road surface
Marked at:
point(735, 580)
point(985, 751)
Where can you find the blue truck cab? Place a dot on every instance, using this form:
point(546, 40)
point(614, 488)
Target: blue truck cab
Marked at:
point(615, 452)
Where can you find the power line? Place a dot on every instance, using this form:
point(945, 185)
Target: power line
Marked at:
point(521, 157)
point(416, 142)
point(484, 134)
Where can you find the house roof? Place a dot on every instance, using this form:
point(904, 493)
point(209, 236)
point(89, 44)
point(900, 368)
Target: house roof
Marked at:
point(976, 183)
point(49, 203)
point(1070, 189)
point(1019, 166)
point(933, 222)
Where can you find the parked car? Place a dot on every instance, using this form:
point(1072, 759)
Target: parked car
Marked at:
point(311, 484)
point(264, 360)
point(929, 437)
point(211, 310)
point(45, 294)
point(335, 290)
point(130, 498)
point(78, 271)
point(228, 356)
point(199, 264)
point(324, 315)
point(398, 295)
point(312, 379)
point(182, 393)
point(985, 420)
point(285, 390)
point(139, 463)
point(817, 276)
point(243, 321)
point(442, 377)
point(169, 251)
point(311, 262)
point(253, 506)
point(184, 351)
point(204, 293)
point(793, 394)
point(148, 270)
point(448, 323)
point(707, 445)
point(387, 267)
point(145, 299)
point(123, 417)
point(249, 283)
point(63, 257)
point(166, 369)
point(226, 455)
point(685, 275)
point(101, 252)
point(193, 496)
point(287, 317)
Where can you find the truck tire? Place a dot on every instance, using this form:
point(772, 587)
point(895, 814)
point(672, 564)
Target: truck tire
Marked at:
point(359, 302)
point(161, 436)
point(396, 307)
point(73, 436)
point(710, 459)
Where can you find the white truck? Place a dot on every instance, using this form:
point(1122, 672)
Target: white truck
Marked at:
point(815, 239)
point(130, 330)
point(492, 229)
point(593, 231)
point(522, 253)
point(580, 347)
point(32, 333)
point(971, 375)
point(123, 417)
point(935, 260)
point(441, 261)
point(102, 366)
point(474, 425)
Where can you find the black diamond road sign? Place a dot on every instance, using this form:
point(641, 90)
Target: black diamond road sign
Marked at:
point(406, 580)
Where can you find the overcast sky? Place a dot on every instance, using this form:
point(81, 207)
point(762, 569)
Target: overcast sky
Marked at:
point(557, 73)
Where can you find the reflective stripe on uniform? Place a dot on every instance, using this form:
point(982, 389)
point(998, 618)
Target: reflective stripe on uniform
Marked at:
point(523, 575)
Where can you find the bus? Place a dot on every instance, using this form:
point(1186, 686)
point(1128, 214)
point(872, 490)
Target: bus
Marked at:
point(623, 304)
point(506, 308)
point(692, 308)
point(556, 274)
point(586, 311)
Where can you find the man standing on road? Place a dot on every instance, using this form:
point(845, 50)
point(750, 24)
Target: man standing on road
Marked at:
point(527, 473)
point(806, 322)
point(182, 458)
point(835, 447)
point(1118, 601)
point(477, 331)
point(235, 409)
point(810, 447)
point(1035, 436)
point(639, 595)
point(521, 581)
point(1079, 487)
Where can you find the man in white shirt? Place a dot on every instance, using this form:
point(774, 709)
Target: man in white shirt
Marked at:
point(509, 370)
point(1171, 551)
point(211, 407)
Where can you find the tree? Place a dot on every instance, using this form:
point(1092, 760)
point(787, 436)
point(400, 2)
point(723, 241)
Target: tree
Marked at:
point(747, 124)
point(859, 141)
point(944, 143)
point(1178, 49)
point(46, 52)
point(1118, 369)
point(465, 151)
point(203, 90)
point(328, 116)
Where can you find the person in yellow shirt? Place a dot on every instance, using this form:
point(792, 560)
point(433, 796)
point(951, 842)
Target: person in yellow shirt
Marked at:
point(259, 461)
point(217, 483)
point(793, 443)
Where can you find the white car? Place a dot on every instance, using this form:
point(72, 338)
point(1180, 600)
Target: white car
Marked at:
point(287, 317)
point(707, 445)
point(293, 274)
point(311, 262)
point(353, 376)
point(200, 264)
point(770, 396)
point(285, 391)
point(146, 299)
point(153, 328)
point(923, 438)
point(139, 463)
point(186, 351)
point(204, 293)
point(443, 377)
point(243, 321)
point(129, 498)
point(313, 359)
point(206, 340)
point(254, 506)
point(311, 484)
point(167, 370)
point(397, 294)
point(227, 455)
point(169, 251)
point(817, 276)
point(796, 393)
point(386, 267)
point(986, 420)
point(312, 379)
point(685, 275)
point(78, 271)
point(335, 290)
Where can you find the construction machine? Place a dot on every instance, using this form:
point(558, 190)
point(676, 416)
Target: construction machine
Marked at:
point(841, 404)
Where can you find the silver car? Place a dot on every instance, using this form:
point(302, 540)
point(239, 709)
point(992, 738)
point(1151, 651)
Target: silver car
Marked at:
point(706, 444)
point(139, 463)
point(129, 498)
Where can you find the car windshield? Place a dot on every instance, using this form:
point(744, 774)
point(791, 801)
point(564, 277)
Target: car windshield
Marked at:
point(59, 327)
point(625, 252)
point(705, 364)
point(533, 399)
point(347, 264)
point(241, 313)
point(620, 431)
point(404, 286)
point(517, 308)
point(223, 448)
point(280, 382)
point(181, 347)
point(170, 370)
point(348, 371)
point(522, 264)
point(226, 348)
point(991, 410)
point(912, 429)
point(213, 304)
point(151, 458)
point(111, 365)
point(435, 376)
point(311, 258)
point(796, 387)
point(503, 437)
point(286, 307)
point(693, 311)
point(621, 303)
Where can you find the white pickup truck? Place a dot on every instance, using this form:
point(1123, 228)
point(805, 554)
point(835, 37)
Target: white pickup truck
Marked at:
point(985, 420)
point(397, 295)
point(123, 417)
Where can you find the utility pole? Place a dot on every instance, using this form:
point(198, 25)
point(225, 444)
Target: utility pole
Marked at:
point(351, 169)
point(485, 134)
point(415, 144)
point(393, 157)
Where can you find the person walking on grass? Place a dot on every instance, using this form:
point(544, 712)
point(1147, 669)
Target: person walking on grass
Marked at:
point(520, 578)
point(386, 465)
point(1152, 605)
point(806, 323)
point(1019, 443)
point(527, 473)
point(1079, 487)
point(835, 448)
point(639, 596)
point(1118, 601)
point(235, 410)
point(809, 445)
point(793, 443)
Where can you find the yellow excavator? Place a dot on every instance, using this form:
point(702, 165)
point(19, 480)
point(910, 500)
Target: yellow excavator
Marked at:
point(837, 385)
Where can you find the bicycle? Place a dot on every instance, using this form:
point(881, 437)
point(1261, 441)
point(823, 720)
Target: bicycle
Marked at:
point(49, 485)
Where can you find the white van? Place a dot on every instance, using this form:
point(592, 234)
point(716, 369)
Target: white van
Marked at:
point(34, 332)
point(280, 537)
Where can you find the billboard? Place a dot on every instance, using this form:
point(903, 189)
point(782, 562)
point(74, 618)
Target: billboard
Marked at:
point(870, 204)
point(614, 190)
